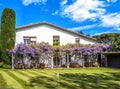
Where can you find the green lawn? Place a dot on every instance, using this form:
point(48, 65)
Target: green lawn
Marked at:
point(76, 78)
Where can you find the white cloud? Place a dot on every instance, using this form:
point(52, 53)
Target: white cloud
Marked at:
point(102, 33)
point(55, 13)
point(111, 20)
point(112, 1)
point(63, 2)
point(82, 10)
point(27, 2)
point(83, 27)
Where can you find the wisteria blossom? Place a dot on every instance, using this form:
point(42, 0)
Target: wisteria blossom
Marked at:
point(38, 49)
point(45, 52)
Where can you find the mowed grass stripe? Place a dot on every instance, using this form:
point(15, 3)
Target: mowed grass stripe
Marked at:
point(23, 76)
point(2, 82)
point(37, 72)
point(27, 73)
point(50, 71)
point(11, 82)
point(32, 73)
point(55, 71)
point(18, 78)
point(76, 70)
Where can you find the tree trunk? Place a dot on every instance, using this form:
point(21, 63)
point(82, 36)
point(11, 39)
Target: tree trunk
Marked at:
point(13, 61)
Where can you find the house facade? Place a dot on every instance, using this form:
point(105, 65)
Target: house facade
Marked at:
point(54, 35)
point(46, 32)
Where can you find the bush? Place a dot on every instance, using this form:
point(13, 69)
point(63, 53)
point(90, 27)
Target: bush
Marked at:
point(1, 64)
point(42, 65)
point(6, 66)
point(96, 64)
point(88, 64)
point(74, 65)
point(56, 43)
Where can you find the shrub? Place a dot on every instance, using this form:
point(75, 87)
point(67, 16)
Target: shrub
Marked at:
point(6, 66)
point(1, 64)
point(56, 43)
point(96, 64)
point(74, 65)
point(42, 65)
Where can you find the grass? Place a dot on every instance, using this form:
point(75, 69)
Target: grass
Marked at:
point(76, 78)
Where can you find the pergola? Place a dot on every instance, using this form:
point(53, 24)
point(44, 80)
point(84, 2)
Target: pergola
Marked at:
point(44, 53)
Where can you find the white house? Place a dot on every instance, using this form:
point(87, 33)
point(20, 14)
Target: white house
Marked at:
point(54, 35)
point(46, 32)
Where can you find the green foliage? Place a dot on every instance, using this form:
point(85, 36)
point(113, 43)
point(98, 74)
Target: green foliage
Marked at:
point(116, 44)
point(6, 66)
point(113, 39)
point(56, 43)
point(106, 38)
point(7, 36)
point(0, 40)
point(1, 64)
point(111, 53)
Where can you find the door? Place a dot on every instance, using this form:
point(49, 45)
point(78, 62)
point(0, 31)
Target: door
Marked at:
point(56, 61)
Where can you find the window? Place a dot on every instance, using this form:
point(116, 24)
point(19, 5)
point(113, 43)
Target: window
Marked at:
point(29, 40)
point(56, 40)
point(77, 40)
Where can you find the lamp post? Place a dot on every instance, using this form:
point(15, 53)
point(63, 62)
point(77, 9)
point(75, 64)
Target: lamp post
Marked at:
point(58, 77)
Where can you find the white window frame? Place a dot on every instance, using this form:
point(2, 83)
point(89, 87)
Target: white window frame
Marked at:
point(29, 39)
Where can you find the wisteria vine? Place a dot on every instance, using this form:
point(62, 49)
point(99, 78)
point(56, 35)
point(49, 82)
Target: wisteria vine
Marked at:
point(44, 49)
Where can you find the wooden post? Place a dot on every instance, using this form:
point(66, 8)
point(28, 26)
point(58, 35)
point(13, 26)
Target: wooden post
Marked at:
point(52, 62)
point(105, 61)
point(83, 62)
point(101, 59)
point(67, 60)
point(12, 61)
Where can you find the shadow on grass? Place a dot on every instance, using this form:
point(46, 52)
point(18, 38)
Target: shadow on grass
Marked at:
point(2, 82)
point(43, 81)
point(78, 81)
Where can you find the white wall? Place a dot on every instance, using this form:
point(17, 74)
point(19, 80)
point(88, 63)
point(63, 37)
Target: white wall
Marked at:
point(45, 33)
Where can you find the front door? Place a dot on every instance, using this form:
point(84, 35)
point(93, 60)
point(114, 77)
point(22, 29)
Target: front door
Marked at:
point(56, 61)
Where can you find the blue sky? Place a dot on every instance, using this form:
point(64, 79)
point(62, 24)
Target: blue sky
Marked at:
point(92, 17)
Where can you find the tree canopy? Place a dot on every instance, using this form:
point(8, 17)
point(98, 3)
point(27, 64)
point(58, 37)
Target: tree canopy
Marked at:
point(7, 35)
point(110, 38)
point(106, 38)
point(116, 44)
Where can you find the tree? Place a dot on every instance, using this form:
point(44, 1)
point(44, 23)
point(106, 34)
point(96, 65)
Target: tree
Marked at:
point(0, 41)
point(79, 31)
point(116, 44)
point(7, 38)
point(107, 38)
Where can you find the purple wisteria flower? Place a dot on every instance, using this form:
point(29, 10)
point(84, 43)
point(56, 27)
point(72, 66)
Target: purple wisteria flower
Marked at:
point(44, 49)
